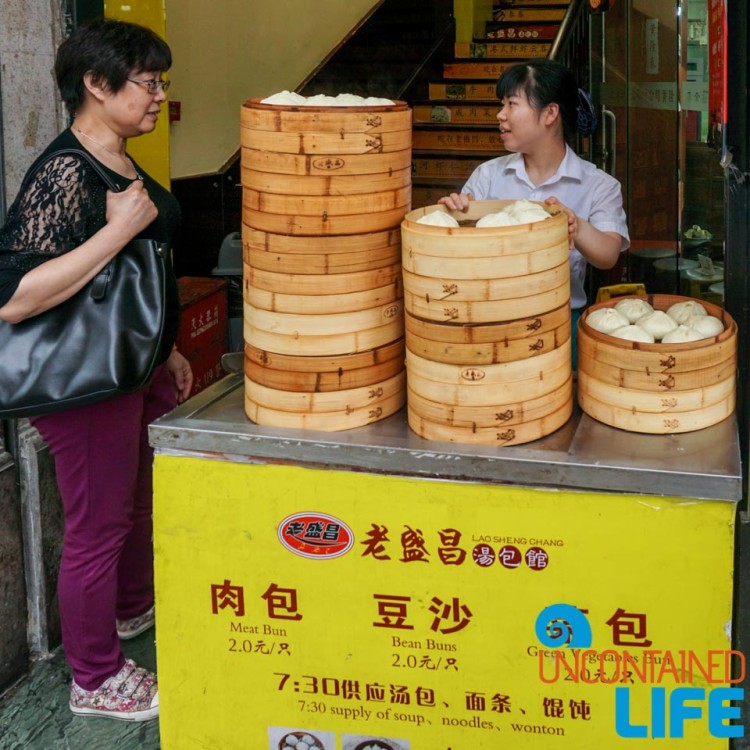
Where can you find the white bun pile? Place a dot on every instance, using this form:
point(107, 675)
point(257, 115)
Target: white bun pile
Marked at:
point(606, 320)
point(633, 333)
point(633, 308)
point(438, 219)
point(292, 99)
point(518, 212)
point(682, 322)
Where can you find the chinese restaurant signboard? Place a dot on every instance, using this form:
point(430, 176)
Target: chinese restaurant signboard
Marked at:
point(314, 608)
point(717, 62)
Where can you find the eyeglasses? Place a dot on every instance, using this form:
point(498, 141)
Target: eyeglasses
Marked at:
point(152, 86)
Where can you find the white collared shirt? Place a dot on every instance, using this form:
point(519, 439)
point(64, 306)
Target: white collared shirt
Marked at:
point(578, 184)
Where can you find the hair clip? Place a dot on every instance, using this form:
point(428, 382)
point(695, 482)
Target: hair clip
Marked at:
point(586, 114)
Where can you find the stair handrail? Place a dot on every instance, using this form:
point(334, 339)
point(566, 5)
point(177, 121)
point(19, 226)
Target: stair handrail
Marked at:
point(567, 28)
point(439, 39)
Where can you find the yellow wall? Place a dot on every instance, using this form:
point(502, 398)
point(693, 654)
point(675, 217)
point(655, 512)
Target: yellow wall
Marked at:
point(150, 151)
point(470, 17)
point(227, 51)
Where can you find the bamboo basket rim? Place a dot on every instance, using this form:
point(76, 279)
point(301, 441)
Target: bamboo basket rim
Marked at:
point(257, 103)
point(659, 302)
point(476, 210)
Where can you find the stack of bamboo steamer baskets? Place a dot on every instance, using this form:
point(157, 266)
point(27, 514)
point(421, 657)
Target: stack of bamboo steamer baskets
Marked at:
point(657, 388)
point(324, 192)
point(488, 351)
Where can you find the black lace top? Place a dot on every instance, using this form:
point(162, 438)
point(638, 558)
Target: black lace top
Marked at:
point(61, 206)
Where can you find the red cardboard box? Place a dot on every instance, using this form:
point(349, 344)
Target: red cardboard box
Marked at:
point(203, 335)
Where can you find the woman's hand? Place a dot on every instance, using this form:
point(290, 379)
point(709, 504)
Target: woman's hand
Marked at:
point(131, 208)
point(457, 201)
point(601, 249)
point(182, 374)
point(572, 220)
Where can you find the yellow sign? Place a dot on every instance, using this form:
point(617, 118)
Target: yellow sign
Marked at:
point(314, 608)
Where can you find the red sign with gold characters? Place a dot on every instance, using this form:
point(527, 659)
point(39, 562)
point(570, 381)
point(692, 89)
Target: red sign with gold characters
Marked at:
point(717, 62)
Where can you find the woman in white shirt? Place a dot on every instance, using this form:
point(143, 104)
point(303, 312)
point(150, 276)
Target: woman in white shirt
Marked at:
point(541, 107)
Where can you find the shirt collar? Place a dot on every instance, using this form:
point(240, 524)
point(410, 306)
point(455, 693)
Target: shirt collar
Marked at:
point(570, 168)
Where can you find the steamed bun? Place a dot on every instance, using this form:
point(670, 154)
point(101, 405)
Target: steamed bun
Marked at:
point(681, 311)
point(633, 308)
point(438, 219)
point(633, 333)
point(606, 319)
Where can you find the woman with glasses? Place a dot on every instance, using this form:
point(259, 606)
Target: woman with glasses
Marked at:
point(60, 232)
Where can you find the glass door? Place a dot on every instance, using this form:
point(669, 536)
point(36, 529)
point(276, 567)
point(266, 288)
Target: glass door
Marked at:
point(649, 73)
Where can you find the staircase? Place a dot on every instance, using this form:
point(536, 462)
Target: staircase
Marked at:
point(455, 128)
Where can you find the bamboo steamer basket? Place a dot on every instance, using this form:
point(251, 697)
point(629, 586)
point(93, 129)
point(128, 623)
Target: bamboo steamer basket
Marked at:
point(283, 184)
point(488, 385)
point(326, 284)
point(317, 304)
point(507, 435)
point(496, 415)
point(658, 388)
point(320, 402)
point(339, 165)
point(324, 192)
point(485, 311)
point(503, 350)
point(332, 421)
point(353, 371)
point(489, 333)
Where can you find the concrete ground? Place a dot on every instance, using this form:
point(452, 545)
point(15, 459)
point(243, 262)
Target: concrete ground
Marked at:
point(34, 714)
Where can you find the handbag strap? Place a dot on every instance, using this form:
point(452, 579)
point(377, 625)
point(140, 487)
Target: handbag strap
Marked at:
point(100, 282)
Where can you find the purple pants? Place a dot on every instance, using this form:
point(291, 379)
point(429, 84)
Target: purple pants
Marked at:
point(103, 464)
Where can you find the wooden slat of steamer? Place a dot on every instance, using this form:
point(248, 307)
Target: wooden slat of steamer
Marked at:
point(326, 324)
point(489, 333)
point(321, 304)
point(434, 289)
point(508, 350)
point(510, 435)
point(282, 244)
point(282, 119)
point(323, 224)
point(638, 401)
point(322, 382)
point(538, 384)
point(282, 184)
point(486, 312)
point(331, 205)
point(319, 144)
point(325, 164)
point(657, 381)
point(499, 415)
point(326, 364)
point(486, 375)
point(660, 424)
point(481, 242)
point(306, 402)
point(367, 260)
point(324, 345)
point(338, 283)
point(460, 267)
point(327, 421)
point(658, 358)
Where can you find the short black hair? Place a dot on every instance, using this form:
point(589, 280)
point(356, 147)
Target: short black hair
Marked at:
point(111, 51)
point(544, 82)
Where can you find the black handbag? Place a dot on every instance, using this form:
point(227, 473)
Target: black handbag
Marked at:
point(101, 342)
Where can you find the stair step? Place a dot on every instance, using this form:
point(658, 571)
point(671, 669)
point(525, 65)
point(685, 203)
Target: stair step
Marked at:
point(484, 113)
point(486, 70)
point(465, 138)
point(468, 91)
point(520, 32)
point(528, 15)
point(499, 4)
point(517, 50)
point(435, 167)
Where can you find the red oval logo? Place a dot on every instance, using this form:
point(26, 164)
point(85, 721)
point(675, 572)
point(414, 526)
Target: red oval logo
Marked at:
point(315, 535)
